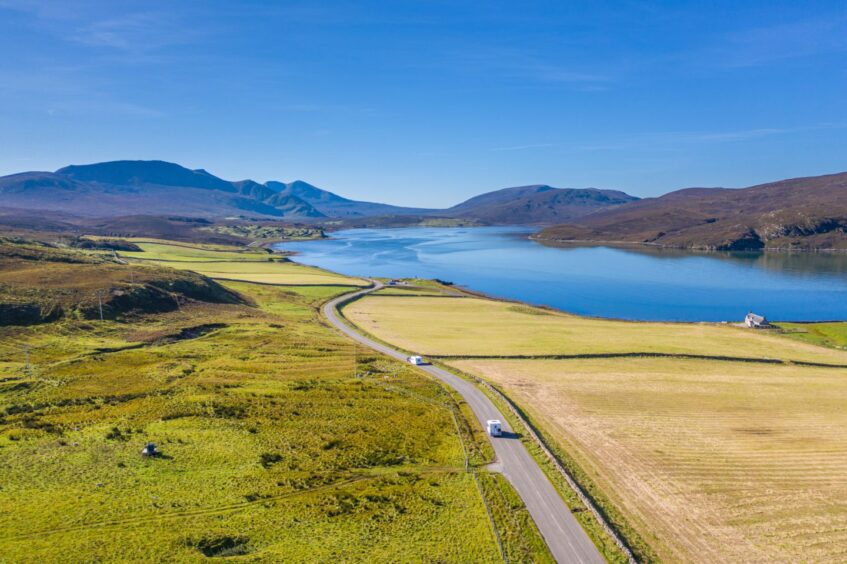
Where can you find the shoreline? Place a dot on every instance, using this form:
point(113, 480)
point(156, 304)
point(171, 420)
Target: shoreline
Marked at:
point(472, 293)
point(293, 255)
point(641, 244)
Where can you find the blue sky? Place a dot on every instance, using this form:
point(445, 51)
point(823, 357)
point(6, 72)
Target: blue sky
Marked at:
point(430, 102)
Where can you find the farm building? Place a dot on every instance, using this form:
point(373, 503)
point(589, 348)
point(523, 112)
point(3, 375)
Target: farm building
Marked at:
point(755, 321)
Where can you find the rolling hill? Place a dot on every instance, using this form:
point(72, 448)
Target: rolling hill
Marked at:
point(799, 213)
point(537, 204)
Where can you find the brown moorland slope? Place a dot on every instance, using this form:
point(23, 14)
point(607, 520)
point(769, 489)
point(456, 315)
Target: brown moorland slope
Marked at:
point(40, 282)
point(537, 204)
point(799, 213)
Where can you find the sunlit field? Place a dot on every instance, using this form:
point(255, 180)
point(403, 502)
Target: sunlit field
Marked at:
point(278, 439)
point(445, 326)
point(708, 459)
point(287, 273)
point(718, 461)
point(236, 264)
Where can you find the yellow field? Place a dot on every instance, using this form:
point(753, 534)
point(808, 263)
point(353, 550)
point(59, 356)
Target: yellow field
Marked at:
point(268, 273)
point(152, 240)
point(234, 263)
point(718, 461)
point(468, 326)
point(709, 460)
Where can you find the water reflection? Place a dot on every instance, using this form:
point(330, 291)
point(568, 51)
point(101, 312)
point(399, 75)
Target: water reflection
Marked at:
point(789, 262)
point(626, 282)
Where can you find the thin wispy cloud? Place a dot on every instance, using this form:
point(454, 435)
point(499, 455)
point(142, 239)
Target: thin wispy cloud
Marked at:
point(769, 44)
point(317, 108)
point(673, 138)
point(523, 147)
point(741, 135)
point(136, 32)
point(58, 92)
point(519, 64)
point(49, 9)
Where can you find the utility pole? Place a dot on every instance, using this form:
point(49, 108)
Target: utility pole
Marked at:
point(27, 369)
point(100, 302)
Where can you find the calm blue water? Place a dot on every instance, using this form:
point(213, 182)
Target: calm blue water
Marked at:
point(599, 281)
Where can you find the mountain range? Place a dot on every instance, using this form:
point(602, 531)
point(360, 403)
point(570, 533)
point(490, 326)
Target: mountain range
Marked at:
point(120, 188)
point(799, 213)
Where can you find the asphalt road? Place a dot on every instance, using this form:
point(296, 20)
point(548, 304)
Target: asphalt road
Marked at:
point(566, 539)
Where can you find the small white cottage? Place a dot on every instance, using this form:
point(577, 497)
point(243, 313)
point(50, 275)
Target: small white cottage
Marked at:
point(756, 321)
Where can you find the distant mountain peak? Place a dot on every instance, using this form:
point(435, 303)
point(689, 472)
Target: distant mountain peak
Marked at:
point(130, 173)
point(146, 187)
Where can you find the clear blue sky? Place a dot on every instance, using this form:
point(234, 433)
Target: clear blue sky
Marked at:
point(430, 102)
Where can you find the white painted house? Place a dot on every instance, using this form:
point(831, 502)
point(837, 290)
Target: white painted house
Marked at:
point(756, 321)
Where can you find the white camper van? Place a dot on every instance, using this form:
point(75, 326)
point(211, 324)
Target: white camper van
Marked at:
point(416, 360)
point(495, 428)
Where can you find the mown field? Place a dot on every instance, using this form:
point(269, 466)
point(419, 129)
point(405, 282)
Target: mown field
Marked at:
point(230, 263)
point(441, 326)
point(280, 440)
point(160, 250)
point(707, 459)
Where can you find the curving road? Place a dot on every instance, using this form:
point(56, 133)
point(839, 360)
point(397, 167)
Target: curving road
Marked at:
point(567, 541)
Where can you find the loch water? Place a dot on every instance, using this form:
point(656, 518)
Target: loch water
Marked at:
point(628, 283)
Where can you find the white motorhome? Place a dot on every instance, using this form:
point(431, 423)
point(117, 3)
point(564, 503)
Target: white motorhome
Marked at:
point(416, 360)
point(494, 427)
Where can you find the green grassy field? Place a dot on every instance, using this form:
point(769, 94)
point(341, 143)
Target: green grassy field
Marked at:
point(280, 440)
point(232, 263)
point(201, 253)
point(825, 334)
point(705, 459)
point(411, 290)
point(287, 273)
